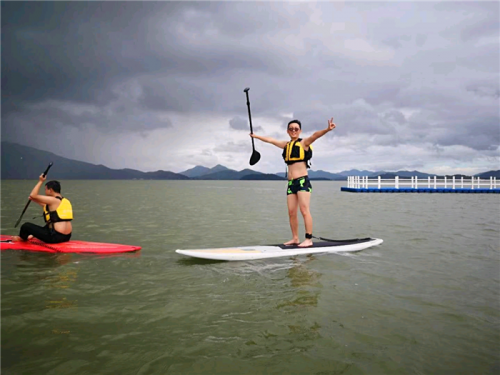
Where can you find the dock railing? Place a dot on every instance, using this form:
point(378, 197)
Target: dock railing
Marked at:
point(364, 182)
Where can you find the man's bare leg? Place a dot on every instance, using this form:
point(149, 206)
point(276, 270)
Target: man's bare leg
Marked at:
point(292, 203)
point(304, 200)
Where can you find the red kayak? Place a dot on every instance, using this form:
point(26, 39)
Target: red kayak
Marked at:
point(65, 247)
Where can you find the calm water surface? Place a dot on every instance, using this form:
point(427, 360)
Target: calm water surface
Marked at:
point(427, 301)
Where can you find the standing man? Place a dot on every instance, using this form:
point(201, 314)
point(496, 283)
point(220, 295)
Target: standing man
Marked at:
point(296, 153)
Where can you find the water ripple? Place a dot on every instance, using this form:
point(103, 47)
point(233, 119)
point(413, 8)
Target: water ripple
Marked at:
point(427, 296)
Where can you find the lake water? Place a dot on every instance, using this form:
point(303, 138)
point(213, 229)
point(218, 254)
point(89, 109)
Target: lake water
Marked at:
point(427, 301)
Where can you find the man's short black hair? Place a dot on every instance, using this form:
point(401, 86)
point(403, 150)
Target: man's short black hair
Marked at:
point(54, 185)
point(295, 122)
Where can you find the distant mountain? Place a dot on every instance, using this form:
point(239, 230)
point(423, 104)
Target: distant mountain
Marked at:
point(316, 175)
point(319, 175)
point(384, 174)
point(163, 175)
point(23, 162)
point(413, 174)
point(262, 176)
point(196, 171)
point(402, 174)
point(199, 171)
point(228, 174)
point(355, 172)
point(219, 168)
point(219, 172)
point(489, 174)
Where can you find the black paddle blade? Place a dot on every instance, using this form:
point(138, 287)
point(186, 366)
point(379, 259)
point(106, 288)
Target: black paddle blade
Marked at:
point(254, 158)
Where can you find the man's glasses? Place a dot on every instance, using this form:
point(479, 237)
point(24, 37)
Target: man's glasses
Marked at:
point(293, 129)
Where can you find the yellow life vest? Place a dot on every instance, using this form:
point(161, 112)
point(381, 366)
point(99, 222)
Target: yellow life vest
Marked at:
point(294, 153)
point(63, 213)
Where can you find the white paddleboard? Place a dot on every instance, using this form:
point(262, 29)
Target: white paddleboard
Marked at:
point(276, 251)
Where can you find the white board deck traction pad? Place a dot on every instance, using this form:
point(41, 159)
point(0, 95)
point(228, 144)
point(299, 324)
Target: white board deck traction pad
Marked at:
point(277, 251)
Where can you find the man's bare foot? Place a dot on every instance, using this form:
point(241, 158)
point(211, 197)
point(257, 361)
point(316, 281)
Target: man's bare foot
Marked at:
point(307, 243)
point(17, 239)
point(295, 241)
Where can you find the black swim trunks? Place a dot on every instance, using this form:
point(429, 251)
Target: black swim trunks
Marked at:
point(299, 184)
point(45, 234)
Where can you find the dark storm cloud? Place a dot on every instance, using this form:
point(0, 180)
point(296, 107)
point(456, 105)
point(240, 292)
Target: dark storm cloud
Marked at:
point(396, 41)
point(468, 28)
point(77, 50)
point(65, 50)
point(404, 73)
point(485, 89)
point(481, 134)
point(175, 95)
point(55, 118)
point(395, 116)
point(239, 123)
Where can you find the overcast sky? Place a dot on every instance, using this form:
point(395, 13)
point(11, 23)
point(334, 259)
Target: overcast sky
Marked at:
point(159, 85)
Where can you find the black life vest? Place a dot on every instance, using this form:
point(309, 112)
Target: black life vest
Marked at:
point(63, 213)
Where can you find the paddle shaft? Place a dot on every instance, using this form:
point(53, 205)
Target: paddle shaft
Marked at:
point(29, 200)
point(250, 117)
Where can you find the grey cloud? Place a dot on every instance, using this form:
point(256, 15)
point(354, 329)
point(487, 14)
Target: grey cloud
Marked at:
point(233, 147)
point(483, 134)
point(153, 99)
point(176, 95)
point(395, 116)
point(490, 89)
point(489, 26)
point(420, 40)
point(52, 116)
point(386, 93)
point(110, 46)
point(483, 59)
point(122, 66)
point(482, 19)
point(357, 117)
point(443, 67)
point(239, 123)
point(480, 134)
point(396, 41)
point(55, 47)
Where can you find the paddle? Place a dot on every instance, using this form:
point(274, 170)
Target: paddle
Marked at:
point(255, 155)
point(29, 200)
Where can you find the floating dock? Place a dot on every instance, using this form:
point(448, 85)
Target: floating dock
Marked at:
point(473, 185)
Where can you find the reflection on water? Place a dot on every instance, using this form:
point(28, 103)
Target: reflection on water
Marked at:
point(306, 281)
point(301, 275)
point(61, 303)
point(40, 260)
point(64, 278)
